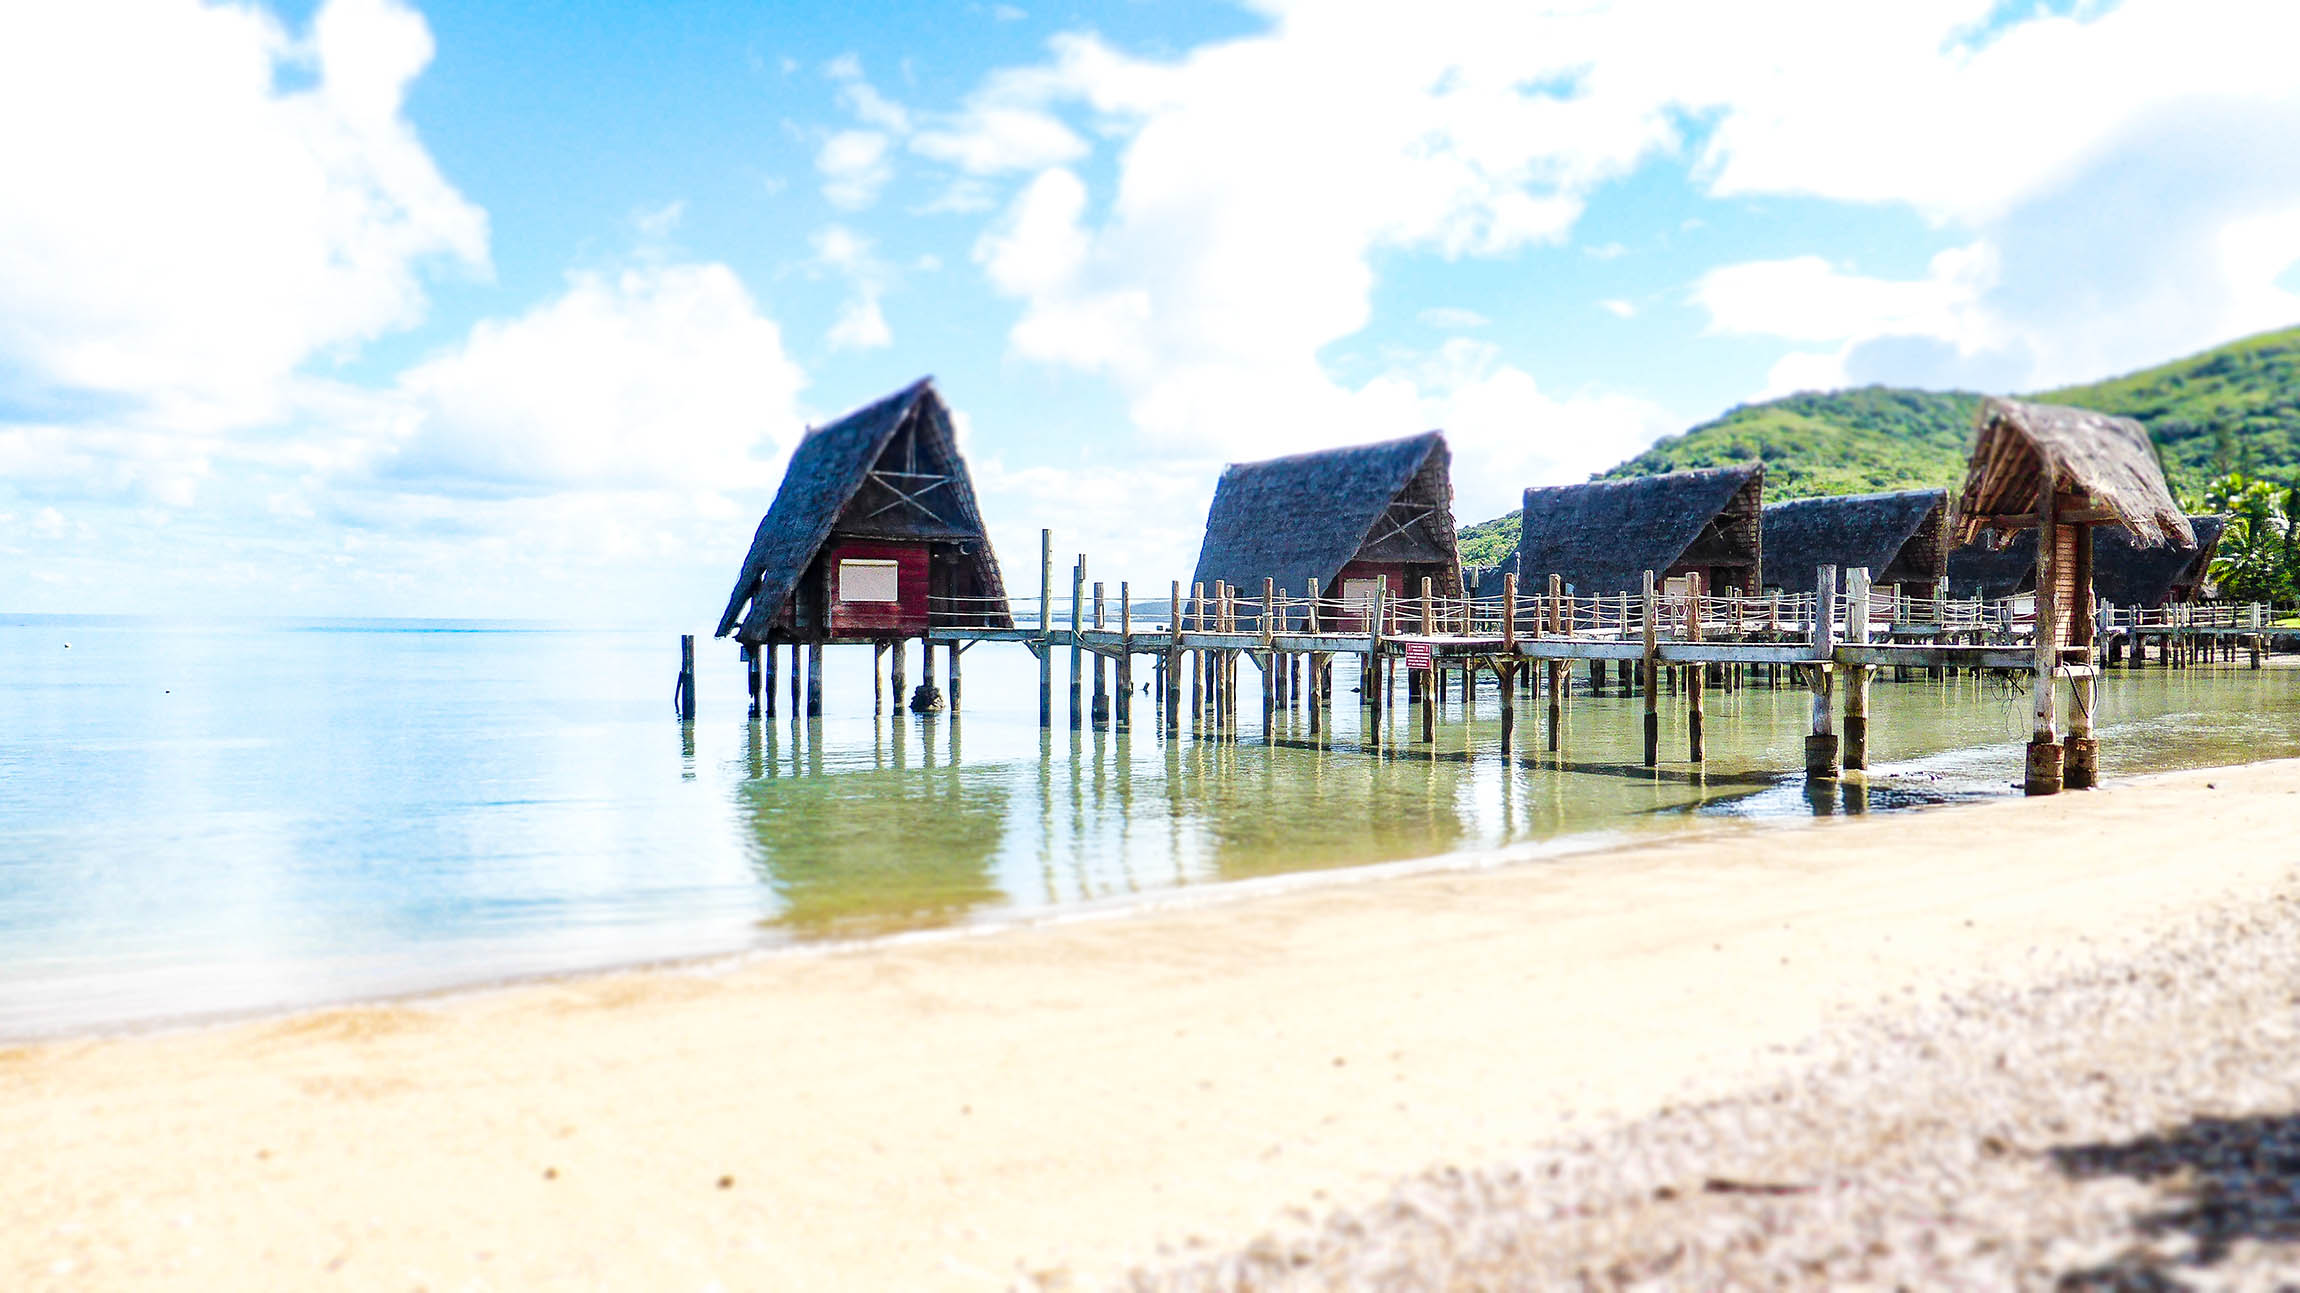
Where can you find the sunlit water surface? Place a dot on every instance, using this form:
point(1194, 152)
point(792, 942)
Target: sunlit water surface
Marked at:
point(201, 819)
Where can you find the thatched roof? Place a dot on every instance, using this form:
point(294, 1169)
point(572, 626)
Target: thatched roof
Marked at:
point(1603, 536)
point(1305, 517)
point(2122, 572)
point(1976, 570)
point(2108, 460)
point(830, 486)
point(2136, 576)
point(1898, 537)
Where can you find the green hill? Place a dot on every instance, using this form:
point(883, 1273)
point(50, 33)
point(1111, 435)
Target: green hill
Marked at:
point(2235, 407)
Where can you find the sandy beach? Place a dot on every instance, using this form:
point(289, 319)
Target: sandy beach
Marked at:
point(1074, 1101)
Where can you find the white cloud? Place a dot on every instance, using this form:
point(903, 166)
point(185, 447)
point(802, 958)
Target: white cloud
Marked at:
point(1619, 309)
point(1451, 318)
point(861, 323)
point(184, 234)
point(664, 378)
point(854, 167)
point(991, 139)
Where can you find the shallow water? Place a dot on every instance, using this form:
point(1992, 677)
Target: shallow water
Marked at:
point(203, 819)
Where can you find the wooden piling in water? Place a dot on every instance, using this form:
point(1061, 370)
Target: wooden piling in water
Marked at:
point(1652, 673)
point(1045, 630)
point(1101, 711)
point(2044, 749)
point(1694, 587)
point(1125, 680)
point(1508, 693)
point(798, 682)
point(751, 675)
point(895, 680)
point(1173, 667)
point(1077, 658)
point(686, 691)
point(1856, 737)
point(1821, 741)
point(814, 680)
point(763, 654)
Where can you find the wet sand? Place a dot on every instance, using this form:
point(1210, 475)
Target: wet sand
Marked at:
point(1063, 1101)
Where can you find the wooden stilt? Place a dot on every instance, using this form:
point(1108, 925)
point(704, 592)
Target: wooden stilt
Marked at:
point(1101, 711)
point(1695, 586)
point(1856, 741)
point(2044, 750)
point(1821, 740)
point(764, 653)
point(1045, 631)
point(1556, 669)
point(1652, 661)
point(751, 674)
point(956, 649)
point(2080, 764)
point(895, 680)
point(1125, 712)
point(814, 680)
point(798, 682)
point(1506, 675)
point(1173, 678)
point(1077, 659)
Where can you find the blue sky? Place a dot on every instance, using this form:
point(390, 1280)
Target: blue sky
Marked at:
point(378, 307)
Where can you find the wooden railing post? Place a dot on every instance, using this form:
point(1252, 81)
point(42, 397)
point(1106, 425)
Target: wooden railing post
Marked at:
point(1856, 743)
point(1045, 632)
point(1651, 674)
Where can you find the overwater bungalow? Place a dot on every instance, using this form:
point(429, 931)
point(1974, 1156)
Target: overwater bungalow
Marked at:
point(874, 536)
point(2059, 473)
point(1346, 518)
point(1901, 538)
point(1603, 536)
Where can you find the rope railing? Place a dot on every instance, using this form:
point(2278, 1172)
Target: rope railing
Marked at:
point(1612, 616)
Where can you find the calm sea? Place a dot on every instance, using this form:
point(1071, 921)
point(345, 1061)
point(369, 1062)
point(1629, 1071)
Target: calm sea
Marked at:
point(201, 819)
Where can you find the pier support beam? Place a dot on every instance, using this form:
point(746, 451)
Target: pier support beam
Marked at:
point(2044, 750)
point(1695, 675)
point(928, 698)
point(1821, 740)
point(1045, 630)
point(814, 680)
point(956, 649)
point(1556, 669)
point(2080, 759)
point(1077, 660)
point(1652, 673)
point(1100, 716)
point(798, 681)
point(764, 654)
point(751, 675)
point(1857, 676)
point(895, 680)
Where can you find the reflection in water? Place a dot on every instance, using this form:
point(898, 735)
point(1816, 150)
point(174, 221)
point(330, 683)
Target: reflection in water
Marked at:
point(264, 816)
point(870, 852)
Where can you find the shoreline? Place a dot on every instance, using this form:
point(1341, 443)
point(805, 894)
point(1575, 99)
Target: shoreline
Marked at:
point(961, 1109)
point(1188, 897)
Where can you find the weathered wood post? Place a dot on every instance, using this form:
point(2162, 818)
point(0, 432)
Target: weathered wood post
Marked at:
point(1045, 632)
point(1429, 682)
point(1652, 673)
point(814, 680)
point(1077, 659)
point(751, 674)
point(798, 681)
point(686, 692)
point(928, 698)
point(877, 678)
point(1316, 679)
point(2044, 750)
point(957, 649)
point(1821, 741)
point(1857, 677)
point(764, 652)
point(1101, 712)
point(1269, 653)
point(2080, 763)
point(1695, 585)
point(1558, 626)
point(1125, 683)
point(1173, 696)
point(1509, 655)
point(1371, 684)
point(1197, 659)
point(895, 680)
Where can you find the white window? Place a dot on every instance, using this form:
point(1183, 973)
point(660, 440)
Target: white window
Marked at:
point(867, 581)
point(1358, 594)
